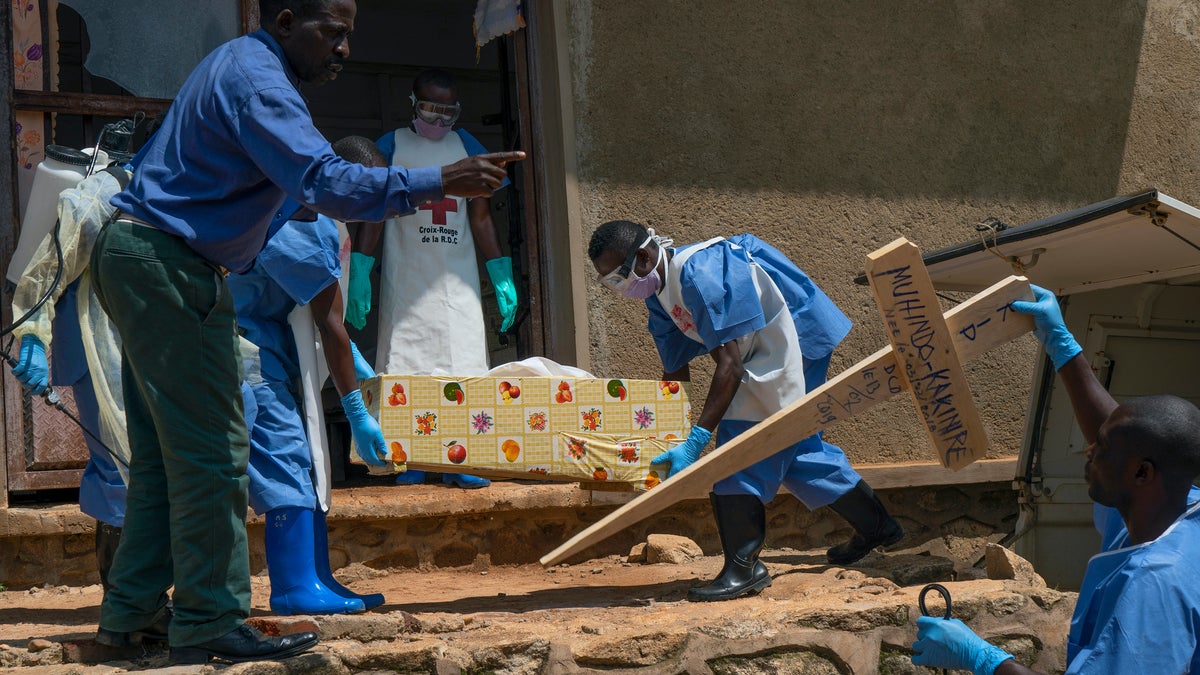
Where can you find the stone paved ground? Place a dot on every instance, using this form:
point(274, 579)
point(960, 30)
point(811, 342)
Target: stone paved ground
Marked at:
point(604, 615)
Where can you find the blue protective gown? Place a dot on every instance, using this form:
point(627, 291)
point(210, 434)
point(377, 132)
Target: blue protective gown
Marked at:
point(299, 260)
point(101, 489)
point(1139, 606)
point(718, 287)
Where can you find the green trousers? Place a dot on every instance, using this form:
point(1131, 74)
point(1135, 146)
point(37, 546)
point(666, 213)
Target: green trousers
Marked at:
point(185, 521)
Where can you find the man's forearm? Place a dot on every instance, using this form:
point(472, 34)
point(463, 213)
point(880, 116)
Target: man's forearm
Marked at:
point(327, 313)
point(1011, 667)
point(366, 238)
point(726, 380)
point(1090, 400)
point(483, 229)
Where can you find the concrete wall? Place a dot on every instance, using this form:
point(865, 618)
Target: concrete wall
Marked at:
point(830, 129)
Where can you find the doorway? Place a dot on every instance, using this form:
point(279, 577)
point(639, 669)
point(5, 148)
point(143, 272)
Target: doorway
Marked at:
point(393, 41)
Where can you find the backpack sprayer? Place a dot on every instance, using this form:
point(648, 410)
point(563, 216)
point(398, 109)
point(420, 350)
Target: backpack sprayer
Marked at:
point(62, 169)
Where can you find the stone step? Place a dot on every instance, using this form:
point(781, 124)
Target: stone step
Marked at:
point(510, 522)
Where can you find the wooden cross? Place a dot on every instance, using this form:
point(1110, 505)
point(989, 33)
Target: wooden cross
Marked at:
point(925, 357)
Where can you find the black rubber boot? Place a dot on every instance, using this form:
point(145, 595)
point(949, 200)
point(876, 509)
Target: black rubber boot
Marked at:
point(873, 525)
point(107, 539)
point(155, 632)
point(742, 524)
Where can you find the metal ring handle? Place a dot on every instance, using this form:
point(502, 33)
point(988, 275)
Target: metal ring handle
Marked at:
point(941, 590)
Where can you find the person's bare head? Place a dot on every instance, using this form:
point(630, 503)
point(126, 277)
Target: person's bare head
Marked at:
point(360, 150)
point(314, 34)
point(1147, 443)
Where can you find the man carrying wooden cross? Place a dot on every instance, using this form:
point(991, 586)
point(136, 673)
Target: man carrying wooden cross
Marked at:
point(770, 331)
point(1139, 605)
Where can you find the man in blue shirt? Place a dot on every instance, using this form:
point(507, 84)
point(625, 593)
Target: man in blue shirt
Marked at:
point(1139, 604)
point(771, 331)
point(236, 141)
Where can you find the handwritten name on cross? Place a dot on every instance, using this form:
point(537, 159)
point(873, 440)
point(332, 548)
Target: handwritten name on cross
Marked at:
point(922, 342)
point(440, 209)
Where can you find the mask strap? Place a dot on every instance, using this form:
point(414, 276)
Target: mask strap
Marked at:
point(659, 239)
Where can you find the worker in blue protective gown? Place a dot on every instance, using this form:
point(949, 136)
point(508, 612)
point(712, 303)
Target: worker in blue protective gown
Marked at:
point(300, 265)
point(1139, 604)
point(770, 331)
point(85, 344)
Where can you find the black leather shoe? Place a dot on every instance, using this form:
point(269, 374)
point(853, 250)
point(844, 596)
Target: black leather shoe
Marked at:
point(155, 632)
point(245, 643)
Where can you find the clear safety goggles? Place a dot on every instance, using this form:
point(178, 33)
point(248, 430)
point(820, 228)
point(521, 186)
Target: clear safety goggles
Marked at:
point(619, 278)
point(432, 112)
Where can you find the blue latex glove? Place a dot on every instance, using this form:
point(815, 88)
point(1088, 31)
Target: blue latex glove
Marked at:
point(500, 270)
point(362, 369)
point(949, 643)
point(1049, 326)
point(464, 481)
point(358, 305)
point(686, 453)
point(32, 369)
point(368, 438)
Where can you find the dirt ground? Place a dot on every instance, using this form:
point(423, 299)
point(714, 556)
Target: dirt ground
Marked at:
point(600, 615)
point(63, 612)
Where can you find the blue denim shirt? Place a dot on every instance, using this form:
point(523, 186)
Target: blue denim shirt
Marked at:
point(236, 141)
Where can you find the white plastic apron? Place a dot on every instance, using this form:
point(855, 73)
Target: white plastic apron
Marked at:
point(430, 307)
point(313, 371)
point(774, 368)
point(102, 349)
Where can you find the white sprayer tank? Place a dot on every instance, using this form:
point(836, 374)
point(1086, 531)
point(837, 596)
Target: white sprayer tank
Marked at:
point(62, 168)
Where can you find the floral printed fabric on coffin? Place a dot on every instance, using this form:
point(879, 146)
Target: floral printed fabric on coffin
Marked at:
point(551, 428)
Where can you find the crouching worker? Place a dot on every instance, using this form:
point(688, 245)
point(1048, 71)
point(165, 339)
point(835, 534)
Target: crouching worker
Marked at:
point(1139, 605)
point(770, 331)
point(299, 266)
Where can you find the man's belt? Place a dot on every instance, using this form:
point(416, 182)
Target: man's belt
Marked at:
point(122, 215)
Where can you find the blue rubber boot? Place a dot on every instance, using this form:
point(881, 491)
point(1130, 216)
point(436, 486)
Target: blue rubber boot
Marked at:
point(324, 573)
point(295, 588)
point(464, 481)
point(411, 477)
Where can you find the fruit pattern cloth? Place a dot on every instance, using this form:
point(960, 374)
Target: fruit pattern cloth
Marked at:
point(551, 428)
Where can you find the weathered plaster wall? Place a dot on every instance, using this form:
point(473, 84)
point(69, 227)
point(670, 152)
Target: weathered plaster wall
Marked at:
point(830, 129)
